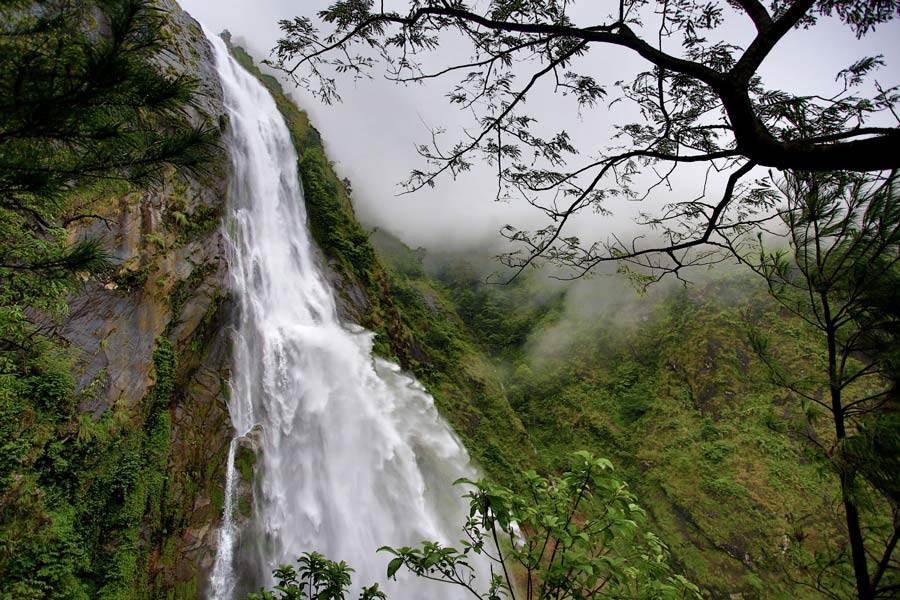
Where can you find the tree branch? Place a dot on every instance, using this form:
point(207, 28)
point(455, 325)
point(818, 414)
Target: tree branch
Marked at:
point(769, 35)
point(757, 13)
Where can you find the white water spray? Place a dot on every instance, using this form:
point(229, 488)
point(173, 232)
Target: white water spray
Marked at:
point(353, 454)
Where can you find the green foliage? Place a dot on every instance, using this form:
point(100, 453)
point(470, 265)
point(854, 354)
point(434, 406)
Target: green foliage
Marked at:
point(502, 317)
point(244, 461)
point(632, 391)
point(314, 578)
point(716, 451)
point(74, 506)
point(577, 536)
point(79, 110)
point(165, 364)
point(85, 114)
point(669, 390)
point(580, 535)
point(874, 452)
point(79, 105)
point(333, 226)
point(200, 222)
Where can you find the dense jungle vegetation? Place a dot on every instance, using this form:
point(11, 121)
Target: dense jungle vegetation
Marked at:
point(670, 388)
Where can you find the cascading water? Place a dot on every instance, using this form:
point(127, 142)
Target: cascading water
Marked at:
point(353, 454)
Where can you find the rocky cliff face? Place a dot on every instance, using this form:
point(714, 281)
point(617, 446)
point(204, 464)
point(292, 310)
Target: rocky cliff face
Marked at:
point(152, 344)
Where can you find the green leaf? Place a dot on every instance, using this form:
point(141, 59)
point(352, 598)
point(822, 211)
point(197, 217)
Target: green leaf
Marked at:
point(394, 566)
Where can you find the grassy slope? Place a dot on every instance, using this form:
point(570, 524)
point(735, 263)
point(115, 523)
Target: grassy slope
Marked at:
point(685, 408)
point(724, 480)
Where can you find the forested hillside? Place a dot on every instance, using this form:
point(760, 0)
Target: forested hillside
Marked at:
point(668, 386)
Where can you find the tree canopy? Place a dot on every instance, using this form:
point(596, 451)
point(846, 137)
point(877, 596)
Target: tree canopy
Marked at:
point(701, 100)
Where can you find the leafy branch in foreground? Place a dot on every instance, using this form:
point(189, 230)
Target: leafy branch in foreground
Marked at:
point(576, 536)
point(700, 101)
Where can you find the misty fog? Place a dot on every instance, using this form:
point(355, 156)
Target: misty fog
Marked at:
point(371, 136)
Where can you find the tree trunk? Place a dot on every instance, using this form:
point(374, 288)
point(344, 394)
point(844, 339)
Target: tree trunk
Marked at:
point(854, 530)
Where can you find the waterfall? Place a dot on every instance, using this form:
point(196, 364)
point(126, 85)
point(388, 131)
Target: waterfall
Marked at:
point(352, 452)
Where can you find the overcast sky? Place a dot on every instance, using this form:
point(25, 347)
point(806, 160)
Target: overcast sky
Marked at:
point(372, 135)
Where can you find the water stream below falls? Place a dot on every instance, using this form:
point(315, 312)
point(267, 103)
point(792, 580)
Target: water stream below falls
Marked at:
point(352, 453)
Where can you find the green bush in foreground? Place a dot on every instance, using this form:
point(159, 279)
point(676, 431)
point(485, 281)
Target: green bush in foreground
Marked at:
point(577, 536)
